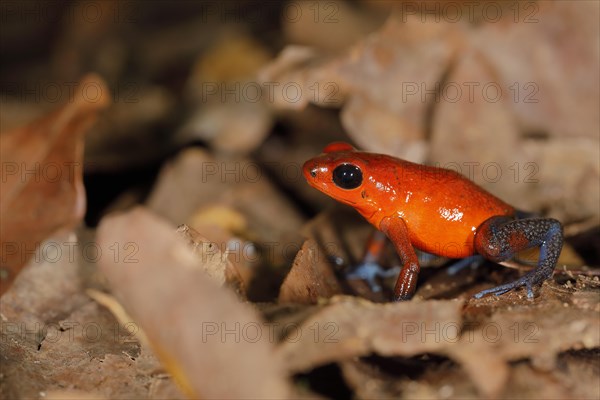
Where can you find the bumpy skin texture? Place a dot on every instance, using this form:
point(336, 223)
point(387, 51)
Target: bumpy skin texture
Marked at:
point(435, 210)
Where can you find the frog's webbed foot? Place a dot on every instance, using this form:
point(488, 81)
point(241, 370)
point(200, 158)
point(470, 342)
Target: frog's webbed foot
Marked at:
point(370, 272)
point(529, 280)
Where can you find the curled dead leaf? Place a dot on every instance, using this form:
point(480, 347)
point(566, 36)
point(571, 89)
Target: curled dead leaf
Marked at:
point(310, 278)
point(212, 260)
point(42, 190)
point(180, 308)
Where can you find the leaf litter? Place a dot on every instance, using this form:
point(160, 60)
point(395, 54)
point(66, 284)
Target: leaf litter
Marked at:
point(226, 312)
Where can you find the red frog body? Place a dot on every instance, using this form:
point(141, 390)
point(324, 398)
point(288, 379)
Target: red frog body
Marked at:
point(433, 209)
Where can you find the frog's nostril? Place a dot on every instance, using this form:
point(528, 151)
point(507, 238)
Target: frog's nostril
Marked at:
point(313, 172)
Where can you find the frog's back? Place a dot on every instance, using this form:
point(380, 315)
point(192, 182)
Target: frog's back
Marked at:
point(441, 208)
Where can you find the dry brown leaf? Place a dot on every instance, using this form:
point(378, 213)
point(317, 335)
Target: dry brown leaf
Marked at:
point(51, 276)
point(72, 395)
point(54, 338)
point(537, 330)
point(498, 332)
point(300, 76)
point(117, 310)
point(180, 308)
point(503, 330)
point(369, 382)
point(551, 103)
point(85, 349)
point(420, 377)
point(228, 229)
point(391, 71)
point(310, 278)
point(42, 189)
point(237, 127)
point(362, 117)
point(352, 327)
point(482, 133)
point(381, 80)
point(212, 260)
point(330, 26)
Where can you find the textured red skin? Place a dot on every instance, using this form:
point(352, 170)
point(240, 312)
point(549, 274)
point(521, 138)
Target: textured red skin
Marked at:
point(441, 208)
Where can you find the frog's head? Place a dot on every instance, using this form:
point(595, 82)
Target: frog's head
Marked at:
point(349, 176)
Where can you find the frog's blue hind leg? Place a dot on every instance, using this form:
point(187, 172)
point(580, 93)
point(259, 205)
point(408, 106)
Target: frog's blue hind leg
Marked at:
point(468, 262)
point(499, 238)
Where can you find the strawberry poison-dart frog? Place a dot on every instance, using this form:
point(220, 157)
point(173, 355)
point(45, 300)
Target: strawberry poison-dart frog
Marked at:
point(435, 210)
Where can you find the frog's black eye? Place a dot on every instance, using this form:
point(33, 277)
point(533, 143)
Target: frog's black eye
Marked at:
point(347, 176)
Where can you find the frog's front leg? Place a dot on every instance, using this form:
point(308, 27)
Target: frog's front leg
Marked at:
point(395, 228)
point(369, 269)
point(500, 238)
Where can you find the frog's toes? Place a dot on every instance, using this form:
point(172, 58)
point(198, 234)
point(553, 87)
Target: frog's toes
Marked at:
point(498, 290)
point(528, 280)
point(370, 271)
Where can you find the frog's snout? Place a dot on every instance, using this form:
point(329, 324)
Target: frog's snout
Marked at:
point(310, 170)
